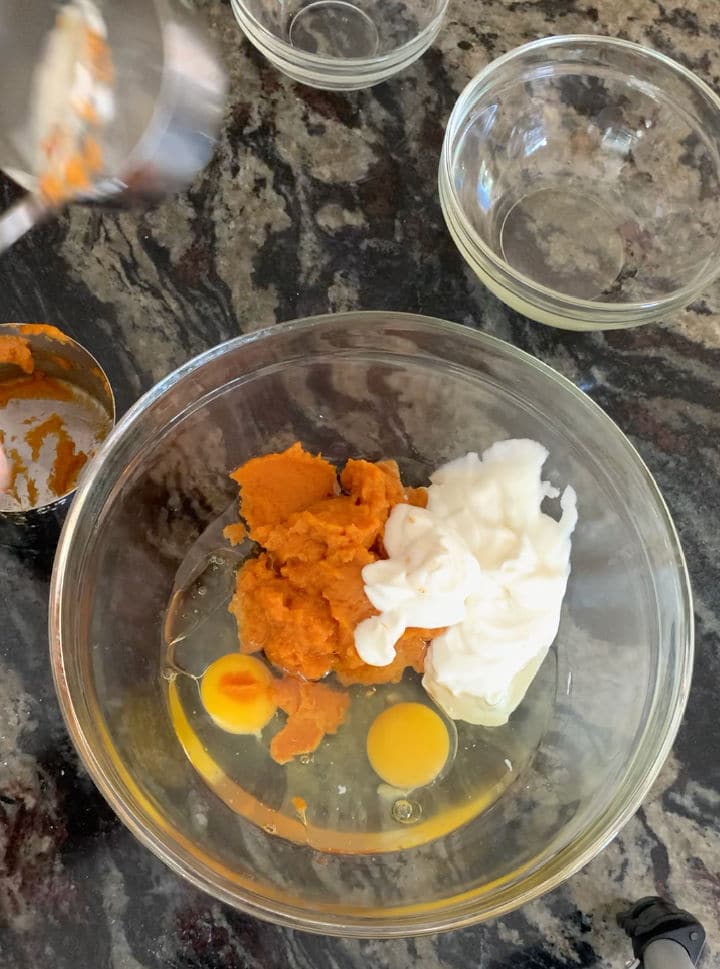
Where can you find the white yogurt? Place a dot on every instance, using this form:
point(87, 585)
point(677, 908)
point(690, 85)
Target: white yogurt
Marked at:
point(484, 561)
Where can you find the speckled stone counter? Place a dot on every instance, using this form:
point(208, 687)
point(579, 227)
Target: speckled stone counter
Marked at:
point(319, 202)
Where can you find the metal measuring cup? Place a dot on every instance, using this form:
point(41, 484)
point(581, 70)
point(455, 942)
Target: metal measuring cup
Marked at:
point(36, 523)
point(169, 94)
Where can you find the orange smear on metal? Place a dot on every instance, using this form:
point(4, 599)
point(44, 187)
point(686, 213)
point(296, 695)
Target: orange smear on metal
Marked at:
point(36, 436)
point(66, 467)
point(87, 113)
point(60, 362)
point(99, 56)
point(15, 350)
point(92, 156)
point(51, 189)
point(313, 710)
point(17, 468)
point(77, 176)
point(44, 329)
point(36, 387)
point(302, 598)
point(72, 158)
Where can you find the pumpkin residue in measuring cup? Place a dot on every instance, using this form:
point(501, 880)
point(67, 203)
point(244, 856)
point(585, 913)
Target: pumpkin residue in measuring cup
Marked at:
point(16, 469)
point(68, 462)
point(38, 386)
point(44, 329)
point(67, 465)
point(73, 102)
point(16, 350)
point(50, 427)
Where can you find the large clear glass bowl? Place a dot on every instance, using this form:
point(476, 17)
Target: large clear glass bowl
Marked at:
point(422, 391)
point(580, 179)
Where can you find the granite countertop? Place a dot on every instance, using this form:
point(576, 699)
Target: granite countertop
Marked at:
point(320, 201)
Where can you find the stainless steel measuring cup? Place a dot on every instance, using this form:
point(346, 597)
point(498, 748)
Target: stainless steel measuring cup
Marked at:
point(34, 521)
point(169, 93)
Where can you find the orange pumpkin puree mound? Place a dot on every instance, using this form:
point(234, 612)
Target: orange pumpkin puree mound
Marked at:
point(16, 350)
point(275, 486)
point(300, 600)
point(313, 710)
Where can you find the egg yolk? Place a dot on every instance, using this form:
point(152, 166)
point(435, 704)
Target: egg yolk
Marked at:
point(236, 691)
point(408, 745)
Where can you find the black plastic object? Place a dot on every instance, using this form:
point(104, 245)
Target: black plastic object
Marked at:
point(654, 918)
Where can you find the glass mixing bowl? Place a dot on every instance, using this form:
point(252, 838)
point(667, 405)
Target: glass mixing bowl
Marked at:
point(580, 179)
point(337, 44)
point(610, 694)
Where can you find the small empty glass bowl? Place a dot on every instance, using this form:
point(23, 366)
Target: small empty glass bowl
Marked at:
point(580, 179)
point(337, 44)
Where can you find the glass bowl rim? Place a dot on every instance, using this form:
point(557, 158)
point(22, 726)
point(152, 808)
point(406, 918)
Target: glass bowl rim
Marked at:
point(320, 61)
point(678, 297)
point(455, 912)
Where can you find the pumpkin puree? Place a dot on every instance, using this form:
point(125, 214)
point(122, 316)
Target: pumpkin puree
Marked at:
point(16, 350)
point(235, 533)
point(313, 710)
point(300, 600)
point(36, 387)
point(46, 330)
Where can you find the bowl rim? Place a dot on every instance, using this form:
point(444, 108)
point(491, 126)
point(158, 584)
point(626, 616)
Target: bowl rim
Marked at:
point(462, 910)
point(320, 61)
point(678, 297)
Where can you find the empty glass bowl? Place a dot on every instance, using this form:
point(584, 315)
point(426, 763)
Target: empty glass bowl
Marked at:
point(340, 45)
point(580, 179)
point(558, 781)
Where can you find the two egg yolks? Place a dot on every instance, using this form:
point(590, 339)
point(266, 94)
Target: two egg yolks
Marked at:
point(237, 692)
point(408, 745)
